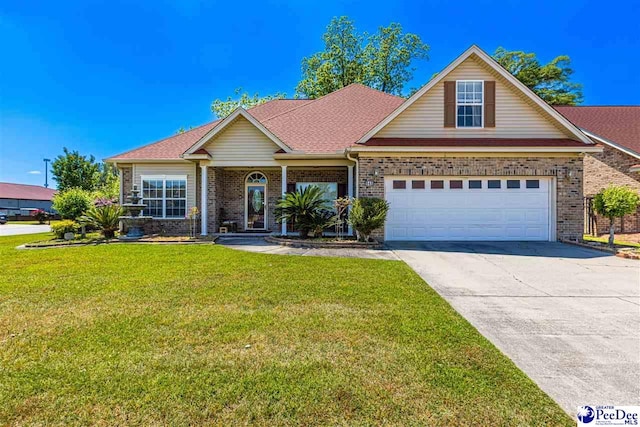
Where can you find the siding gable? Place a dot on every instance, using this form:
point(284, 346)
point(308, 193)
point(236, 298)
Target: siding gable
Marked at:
point(516, 116)
point(241, 143)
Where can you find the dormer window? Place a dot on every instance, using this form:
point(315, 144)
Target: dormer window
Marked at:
point(469, 103)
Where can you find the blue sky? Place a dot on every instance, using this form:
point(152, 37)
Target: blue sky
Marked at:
point(106, 76)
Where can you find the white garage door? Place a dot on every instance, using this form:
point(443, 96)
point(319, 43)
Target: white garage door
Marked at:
point(469, 208)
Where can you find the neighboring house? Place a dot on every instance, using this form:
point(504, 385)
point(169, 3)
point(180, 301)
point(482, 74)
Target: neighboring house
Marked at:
point(473, 155)
point(617, 130)
point(22, 199)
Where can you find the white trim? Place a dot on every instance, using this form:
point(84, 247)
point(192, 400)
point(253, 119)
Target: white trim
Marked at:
point(226, 122)
point(408, 149)
point(500, 70)
point(635, 168)
point(246, 200)
point(164, 179)
point(612, 144)
point(284, 191)
point(349, 194)
point(553, 188)
point(471, 105)
point(203, 200)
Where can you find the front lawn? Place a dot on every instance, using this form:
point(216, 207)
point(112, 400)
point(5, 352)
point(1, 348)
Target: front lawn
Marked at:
point(166, 334)
point(618, 240)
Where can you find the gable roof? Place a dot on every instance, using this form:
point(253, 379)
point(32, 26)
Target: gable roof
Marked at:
point(324, 125)
point(227, 121)
point(617, 125)
point(173, 147)
point(10, 190)
point(493, 64)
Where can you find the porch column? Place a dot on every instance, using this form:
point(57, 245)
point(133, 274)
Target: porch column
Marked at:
point(284, 191)
point(203, 200)
point(349, 193)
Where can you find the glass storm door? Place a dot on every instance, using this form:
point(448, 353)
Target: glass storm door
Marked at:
point(255, 207)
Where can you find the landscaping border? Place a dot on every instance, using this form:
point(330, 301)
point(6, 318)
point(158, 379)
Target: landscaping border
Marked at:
point(619, 252)
point(309, 243)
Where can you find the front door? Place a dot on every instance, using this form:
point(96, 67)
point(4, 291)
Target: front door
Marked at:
point(255, 207)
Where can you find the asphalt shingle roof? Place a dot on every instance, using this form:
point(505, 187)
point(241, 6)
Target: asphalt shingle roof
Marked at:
point(619, 124)
point(327, 124)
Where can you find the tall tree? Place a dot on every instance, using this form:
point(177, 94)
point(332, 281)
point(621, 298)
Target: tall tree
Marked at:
point(338, 65)
point(550, 81)
point(222, 108)
point(388, 58)
point(73, 170)
point(382, 60)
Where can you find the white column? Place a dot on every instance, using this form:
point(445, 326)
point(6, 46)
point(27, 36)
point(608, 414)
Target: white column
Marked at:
point(203, 199)
point(349, 192)
point(284, 191)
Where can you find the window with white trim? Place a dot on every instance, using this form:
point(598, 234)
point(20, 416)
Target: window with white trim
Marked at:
point(469, 103)
point(329, 189)
point(165, 197)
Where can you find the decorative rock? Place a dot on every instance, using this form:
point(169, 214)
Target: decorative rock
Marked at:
point(247, 346)
point(69, 236)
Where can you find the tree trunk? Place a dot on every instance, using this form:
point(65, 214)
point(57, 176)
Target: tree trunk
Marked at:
point(612, 227)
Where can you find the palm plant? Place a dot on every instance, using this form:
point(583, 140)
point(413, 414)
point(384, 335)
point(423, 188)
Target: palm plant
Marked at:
point(303, 208)
point(104, 216)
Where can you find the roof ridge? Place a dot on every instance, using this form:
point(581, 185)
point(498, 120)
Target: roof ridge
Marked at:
point(311, 101)
point(163, 139)
point(30, 185)
point(283, 112)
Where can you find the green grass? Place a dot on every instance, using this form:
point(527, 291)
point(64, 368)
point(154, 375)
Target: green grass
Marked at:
point(605, 239)
point(156, 334)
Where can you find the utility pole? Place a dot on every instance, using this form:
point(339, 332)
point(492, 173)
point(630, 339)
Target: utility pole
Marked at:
point(46, 172)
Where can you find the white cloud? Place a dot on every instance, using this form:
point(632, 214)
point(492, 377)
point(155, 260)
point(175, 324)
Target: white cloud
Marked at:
point(35, 172)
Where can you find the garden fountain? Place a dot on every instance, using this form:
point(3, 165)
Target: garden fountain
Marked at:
point(133, 221)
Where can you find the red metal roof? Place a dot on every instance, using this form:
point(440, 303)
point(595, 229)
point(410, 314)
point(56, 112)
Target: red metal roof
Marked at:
point(25, 191)
point(618, 124)
point(472, 142)
point(327, 124)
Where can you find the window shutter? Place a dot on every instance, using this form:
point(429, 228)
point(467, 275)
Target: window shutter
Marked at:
point(449, 104)
point(489, 104)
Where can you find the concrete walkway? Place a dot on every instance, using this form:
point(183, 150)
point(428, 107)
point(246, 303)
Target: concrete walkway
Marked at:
point(569, 317)
point(258, 244)
point(12, 229)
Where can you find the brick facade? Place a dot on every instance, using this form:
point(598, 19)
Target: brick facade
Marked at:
point(226, 192)
point(567, 170)
point(612, 167)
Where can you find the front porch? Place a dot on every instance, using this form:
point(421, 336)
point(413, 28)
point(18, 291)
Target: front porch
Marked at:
point(244, 198)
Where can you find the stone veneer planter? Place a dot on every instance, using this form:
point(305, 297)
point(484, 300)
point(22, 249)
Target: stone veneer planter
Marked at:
point(311, 243)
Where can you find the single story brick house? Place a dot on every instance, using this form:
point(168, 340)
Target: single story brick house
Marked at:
point(617, 130)
point(472, 155)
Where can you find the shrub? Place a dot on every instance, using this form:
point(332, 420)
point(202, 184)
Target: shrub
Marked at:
point(615, 202)
point(41, 216)
point(302, 208)
point(368, 214)
point(105, 216)
point(65, 226)
point(72, 203)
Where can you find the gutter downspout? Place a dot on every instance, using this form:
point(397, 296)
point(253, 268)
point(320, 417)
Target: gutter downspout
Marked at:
point(347, 152)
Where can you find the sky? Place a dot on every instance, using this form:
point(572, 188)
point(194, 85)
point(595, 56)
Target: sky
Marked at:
point(103, 77)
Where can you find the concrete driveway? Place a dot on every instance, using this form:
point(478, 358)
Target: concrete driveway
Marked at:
point(568, 317)
point(10, 229)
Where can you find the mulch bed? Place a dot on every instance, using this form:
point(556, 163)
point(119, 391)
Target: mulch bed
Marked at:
point(323, 243)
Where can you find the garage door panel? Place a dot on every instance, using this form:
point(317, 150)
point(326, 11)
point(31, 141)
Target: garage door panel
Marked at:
point(468, 214)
